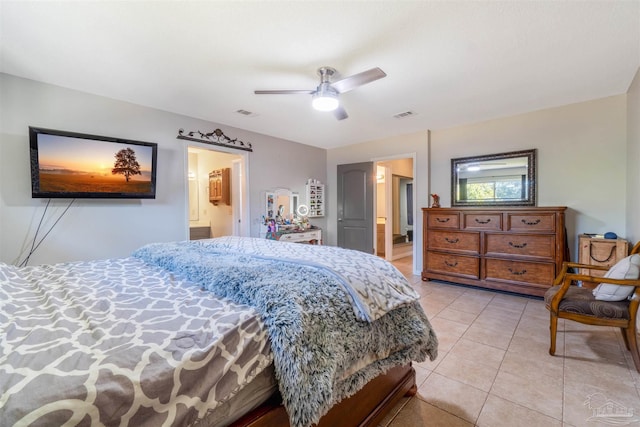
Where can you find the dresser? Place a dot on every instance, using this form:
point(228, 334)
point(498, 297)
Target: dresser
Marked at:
point(512, 249)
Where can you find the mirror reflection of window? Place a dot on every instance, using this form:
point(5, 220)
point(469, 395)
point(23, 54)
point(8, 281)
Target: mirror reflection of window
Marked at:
point(496, 179)
point(493, 188)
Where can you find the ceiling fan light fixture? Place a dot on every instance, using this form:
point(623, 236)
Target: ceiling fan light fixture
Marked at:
point(325, 99)
point(325, 103)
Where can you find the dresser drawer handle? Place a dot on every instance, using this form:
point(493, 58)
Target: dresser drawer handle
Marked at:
point(514, 245)
point(451, 264)
point(487, 221)
point(456, 240)
point(442, 219)
point(536, 222)
point(517, 273)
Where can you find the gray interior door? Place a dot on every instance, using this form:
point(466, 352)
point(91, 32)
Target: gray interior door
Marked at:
point(355, 206)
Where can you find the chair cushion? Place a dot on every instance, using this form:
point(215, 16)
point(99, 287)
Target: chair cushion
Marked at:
point(581, 301)
point(627, 268)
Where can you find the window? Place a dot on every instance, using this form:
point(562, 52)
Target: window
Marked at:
point(488, 188)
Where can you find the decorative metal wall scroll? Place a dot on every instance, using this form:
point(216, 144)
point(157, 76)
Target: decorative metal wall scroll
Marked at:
point(215, 138)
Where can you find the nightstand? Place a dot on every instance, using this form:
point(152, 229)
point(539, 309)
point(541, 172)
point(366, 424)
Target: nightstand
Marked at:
point(600, 251)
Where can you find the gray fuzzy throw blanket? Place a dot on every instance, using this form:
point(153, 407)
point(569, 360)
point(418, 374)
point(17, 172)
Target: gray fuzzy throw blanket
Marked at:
point(319, 345)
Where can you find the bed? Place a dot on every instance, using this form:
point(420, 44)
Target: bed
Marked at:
point(226, 331)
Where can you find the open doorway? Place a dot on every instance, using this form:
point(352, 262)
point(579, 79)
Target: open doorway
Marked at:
point(395, 209)
point(209, 173)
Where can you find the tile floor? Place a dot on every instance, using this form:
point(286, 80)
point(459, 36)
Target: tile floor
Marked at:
point(493, 367)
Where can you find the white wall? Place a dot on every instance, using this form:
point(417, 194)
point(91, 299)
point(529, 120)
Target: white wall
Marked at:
point(633, 160)
point(581, 164)
point(94, 229)
point(580, 161)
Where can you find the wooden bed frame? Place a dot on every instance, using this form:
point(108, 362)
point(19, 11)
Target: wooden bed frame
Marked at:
point(365, 408)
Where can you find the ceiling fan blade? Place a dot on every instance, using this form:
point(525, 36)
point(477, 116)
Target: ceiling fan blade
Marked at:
point(340, 113)
point(282, 92)
point(359, 79)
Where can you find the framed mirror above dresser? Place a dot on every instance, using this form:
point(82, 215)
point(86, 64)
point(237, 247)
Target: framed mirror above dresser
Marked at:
point(503, 179)
point(494, 236)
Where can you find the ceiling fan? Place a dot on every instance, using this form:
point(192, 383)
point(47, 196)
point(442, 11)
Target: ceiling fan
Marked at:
point(325, 96)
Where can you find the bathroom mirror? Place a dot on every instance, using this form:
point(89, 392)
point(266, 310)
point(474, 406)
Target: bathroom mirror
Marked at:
point(281, 205)
point(504, 179)
point(194, 202)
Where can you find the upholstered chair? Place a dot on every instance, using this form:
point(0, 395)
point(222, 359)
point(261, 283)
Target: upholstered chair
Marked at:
point(613, 302)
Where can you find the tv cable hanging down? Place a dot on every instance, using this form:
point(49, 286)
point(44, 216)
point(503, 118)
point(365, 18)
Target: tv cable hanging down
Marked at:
point(34, 245)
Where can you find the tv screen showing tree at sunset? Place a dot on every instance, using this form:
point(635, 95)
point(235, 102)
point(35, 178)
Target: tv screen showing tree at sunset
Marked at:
point(76, 165)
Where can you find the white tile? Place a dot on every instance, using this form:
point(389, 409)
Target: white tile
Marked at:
point(481, 332)
point(498, 412)
point(453, 396)
point(543, 396)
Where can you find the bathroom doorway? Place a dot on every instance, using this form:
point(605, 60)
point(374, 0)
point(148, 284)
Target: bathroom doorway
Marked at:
point(211, 218)
point(395, 208)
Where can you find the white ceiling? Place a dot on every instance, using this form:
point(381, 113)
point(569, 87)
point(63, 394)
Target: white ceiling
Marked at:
point(450, 63)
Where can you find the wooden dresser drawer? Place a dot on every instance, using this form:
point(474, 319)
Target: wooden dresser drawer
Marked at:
point(480, 221)
point(458, 265)
point(527, 245)
point(459, 241)
point(536, 273)
point(443, 220)
point(523, 222)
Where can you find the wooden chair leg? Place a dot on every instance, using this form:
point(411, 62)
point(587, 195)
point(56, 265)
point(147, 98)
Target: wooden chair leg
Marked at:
point(553, 329)
point(624, 337)
point(633, 344)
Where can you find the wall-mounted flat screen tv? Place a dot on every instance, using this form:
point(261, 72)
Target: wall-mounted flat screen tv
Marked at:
point(75, 165)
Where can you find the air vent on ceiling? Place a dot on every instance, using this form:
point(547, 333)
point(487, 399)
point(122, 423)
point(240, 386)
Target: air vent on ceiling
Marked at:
point(404, 114)
point(246, 113)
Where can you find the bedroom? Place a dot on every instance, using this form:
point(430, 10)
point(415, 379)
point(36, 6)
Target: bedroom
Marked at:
point(576, 168)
